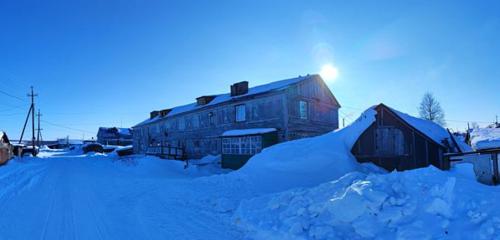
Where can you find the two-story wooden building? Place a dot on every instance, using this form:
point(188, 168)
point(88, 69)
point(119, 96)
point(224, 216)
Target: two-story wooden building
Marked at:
point(294, 108)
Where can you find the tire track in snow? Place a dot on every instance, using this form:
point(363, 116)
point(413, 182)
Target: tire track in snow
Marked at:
point(49, 213)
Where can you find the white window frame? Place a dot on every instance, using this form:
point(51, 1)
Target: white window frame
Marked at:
point(303, 109)
point(240, 113)
point(245, 145)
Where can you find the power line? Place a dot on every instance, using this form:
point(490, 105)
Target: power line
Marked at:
point(12, 96)
point(66, 127)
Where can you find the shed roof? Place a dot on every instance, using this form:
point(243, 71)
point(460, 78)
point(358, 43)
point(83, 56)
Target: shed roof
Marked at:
point(226, 97)
point(432, 130)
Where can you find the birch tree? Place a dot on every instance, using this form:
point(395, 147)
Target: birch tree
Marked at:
point(430, 109)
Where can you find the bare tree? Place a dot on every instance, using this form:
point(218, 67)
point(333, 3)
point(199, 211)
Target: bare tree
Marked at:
point(430, 109)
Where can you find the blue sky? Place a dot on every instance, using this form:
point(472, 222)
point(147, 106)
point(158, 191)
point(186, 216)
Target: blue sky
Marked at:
point(109, 63)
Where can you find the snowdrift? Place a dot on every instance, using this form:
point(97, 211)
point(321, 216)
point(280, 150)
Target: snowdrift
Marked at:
point(420, 204)
point(307, 162)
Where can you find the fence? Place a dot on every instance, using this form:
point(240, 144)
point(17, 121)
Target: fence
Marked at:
point(485, 162)
point(166, 151)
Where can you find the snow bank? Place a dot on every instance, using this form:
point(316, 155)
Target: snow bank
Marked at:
point(420, 204)
point(307, 162)
point(483, 138)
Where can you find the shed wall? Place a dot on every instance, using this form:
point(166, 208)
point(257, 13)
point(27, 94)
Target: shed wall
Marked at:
point(419, 151)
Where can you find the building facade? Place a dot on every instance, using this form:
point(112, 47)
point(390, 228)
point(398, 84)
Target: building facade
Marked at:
point(6, 149)
point(296, 108)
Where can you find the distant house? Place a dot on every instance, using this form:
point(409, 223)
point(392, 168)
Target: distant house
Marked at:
point(399, 141)
point(114, 136)
point(485, 138)
point(62, 143)
point(6, 149)
point(294, 108)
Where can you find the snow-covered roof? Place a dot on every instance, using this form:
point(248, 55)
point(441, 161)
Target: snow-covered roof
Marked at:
point(429, 128)
point(124, 131)
point(248, 131)
point(121, 131)
point(221, 98)
point(483, 138)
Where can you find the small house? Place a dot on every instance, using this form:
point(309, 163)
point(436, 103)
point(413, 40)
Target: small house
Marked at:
point(398, 141)
point(6, 149)
point(240, 145)
point(114, 136)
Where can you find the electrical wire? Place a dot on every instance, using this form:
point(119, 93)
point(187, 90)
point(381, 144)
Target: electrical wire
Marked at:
point(66, 127)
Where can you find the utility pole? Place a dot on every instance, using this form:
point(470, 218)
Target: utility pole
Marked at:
point(39, 135)
point(33, 95)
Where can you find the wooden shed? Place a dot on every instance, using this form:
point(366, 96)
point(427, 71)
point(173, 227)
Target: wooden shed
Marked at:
point(238, 146)
point(399, 141)
point(6, 152)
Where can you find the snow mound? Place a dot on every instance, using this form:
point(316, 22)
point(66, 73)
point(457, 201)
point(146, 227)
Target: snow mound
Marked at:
point(483, 138)
point(309, 161)
point(420, 204)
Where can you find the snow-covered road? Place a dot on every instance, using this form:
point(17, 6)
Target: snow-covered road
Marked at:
point(96, 197)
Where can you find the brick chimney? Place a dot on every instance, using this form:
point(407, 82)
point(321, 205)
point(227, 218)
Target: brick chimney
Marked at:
point(239, 88)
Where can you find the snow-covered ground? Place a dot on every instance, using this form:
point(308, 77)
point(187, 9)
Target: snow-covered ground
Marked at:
point(69, 196)
point(311, 188)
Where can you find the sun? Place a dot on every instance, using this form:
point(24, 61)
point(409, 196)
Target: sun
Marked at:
point(329, 73)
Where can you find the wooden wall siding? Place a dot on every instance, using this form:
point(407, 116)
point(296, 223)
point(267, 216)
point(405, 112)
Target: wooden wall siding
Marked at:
point(199, 131)
point(419, 151)
point(322, 110)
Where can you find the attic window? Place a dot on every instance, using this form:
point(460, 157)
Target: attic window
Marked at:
point(204, 100)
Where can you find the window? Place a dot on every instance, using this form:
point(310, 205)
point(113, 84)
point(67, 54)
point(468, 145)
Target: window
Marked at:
point(249, 145)
point(211, 118)
point(303, 109)
point(240, 113)
point(182, 124)
point(389, 141)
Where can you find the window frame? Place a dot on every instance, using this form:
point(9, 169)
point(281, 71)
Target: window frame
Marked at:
point(242, 145)
point(303, 109)
point(237, 116)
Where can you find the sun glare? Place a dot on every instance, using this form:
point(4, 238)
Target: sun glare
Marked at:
point(329, 72)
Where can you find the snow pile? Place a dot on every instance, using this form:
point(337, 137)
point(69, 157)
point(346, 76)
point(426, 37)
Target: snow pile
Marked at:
point(483, 138)
point(420, 204)
point(307, 162)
